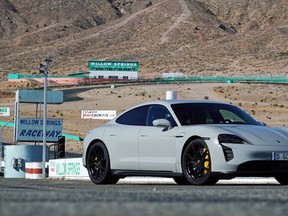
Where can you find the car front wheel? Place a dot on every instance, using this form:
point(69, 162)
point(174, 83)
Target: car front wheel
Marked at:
point(196, 163)
point(283, 180)
point(181, 180)
point(98, 165)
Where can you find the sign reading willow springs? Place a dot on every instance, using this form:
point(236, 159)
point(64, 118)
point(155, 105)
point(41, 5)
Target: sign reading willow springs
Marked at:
point(112, 66)
point(31, 129)
point(127, 70)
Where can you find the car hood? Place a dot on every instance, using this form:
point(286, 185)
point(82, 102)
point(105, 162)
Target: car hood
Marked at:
point(259, 135)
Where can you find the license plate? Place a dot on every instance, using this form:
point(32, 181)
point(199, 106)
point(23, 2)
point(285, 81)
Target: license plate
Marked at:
point(279, 155)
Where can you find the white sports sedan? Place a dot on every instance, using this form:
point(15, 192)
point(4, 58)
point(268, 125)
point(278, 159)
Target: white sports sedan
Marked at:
point(193, 142)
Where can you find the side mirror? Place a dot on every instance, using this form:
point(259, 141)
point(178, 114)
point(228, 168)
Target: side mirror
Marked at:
point(162, 123)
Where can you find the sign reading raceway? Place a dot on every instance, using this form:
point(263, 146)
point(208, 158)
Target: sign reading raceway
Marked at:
point(31, 129)
point(98, 114)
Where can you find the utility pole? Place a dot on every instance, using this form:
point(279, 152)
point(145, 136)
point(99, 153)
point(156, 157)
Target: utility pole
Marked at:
point(44, 69)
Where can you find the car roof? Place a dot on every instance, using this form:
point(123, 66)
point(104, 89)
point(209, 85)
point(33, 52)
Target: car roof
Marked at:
point(169, 102)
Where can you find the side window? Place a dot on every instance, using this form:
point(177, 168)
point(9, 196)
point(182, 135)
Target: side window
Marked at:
point(231, 117)
point(136, 116)
point(159, 112)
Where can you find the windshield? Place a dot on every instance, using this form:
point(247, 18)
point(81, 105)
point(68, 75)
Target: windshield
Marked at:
point(211, 113)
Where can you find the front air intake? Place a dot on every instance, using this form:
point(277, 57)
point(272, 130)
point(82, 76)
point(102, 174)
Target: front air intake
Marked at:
point(228, 153)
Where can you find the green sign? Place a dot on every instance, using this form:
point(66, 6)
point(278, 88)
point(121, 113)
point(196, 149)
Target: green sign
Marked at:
point(65, 168)
point(4, 111)
point(36, 96)
point(113, 66)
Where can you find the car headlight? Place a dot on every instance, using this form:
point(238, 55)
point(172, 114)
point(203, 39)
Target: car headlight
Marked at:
point(230, 138)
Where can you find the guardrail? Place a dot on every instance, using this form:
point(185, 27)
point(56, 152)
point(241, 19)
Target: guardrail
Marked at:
point(223, 79)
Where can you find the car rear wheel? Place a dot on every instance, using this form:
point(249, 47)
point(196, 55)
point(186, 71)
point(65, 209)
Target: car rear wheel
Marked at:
point(196, 163)
point(98, 165)
point(283, 180)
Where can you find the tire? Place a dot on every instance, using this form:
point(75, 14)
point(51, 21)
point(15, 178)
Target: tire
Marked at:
point(181, 181)
point(196, 164)
point(283, 180)
point(98, 165)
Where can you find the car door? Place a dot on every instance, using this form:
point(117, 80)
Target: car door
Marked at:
point(157, 145)
point(125, 152)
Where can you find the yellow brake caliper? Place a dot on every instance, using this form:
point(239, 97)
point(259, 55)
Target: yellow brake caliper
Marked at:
point(206, 163)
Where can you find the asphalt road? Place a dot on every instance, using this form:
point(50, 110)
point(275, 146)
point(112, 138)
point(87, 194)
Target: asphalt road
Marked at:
point(77, 198)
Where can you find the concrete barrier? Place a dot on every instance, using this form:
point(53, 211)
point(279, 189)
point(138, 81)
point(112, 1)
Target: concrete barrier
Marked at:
point(33, 170)
point(69, 168)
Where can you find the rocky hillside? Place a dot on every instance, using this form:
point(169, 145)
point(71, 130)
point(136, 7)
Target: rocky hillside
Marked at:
point(197, 37)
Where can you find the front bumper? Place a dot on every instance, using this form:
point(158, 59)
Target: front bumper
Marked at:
point(249, 161)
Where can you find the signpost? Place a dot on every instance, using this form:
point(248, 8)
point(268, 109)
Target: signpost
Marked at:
point(44, 69)
point(34, 129)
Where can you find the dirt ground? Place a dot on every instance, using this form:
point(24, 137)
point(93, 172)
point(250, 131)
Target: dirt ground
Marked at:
point(265, 102)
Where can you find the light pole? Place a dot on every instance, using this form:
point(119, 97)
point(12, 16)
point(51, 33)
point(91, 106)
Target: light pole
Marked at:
point(44, 69)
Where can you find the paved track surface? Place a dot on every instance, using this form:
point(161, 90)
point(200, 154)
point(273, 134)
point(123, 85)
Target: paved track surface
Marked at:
point(68, 197)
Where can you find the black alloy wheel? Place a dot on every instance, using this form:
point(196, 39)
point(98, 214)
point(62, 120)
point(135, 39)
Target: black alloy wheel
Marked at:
point(283, 180)
point(98, 165)
point(181, 180)
point(196, 163)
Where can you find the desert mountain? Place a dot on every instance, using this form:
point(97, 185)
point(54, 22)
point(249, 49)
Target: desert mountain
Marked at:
point(197, 37)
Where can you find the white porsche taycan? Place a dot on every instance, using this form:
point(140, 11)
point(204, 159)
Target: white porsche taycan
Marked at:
point(193, 142)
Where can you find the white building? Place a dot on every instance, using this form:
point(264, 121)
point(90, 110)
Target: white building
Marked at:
point(172, 75)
